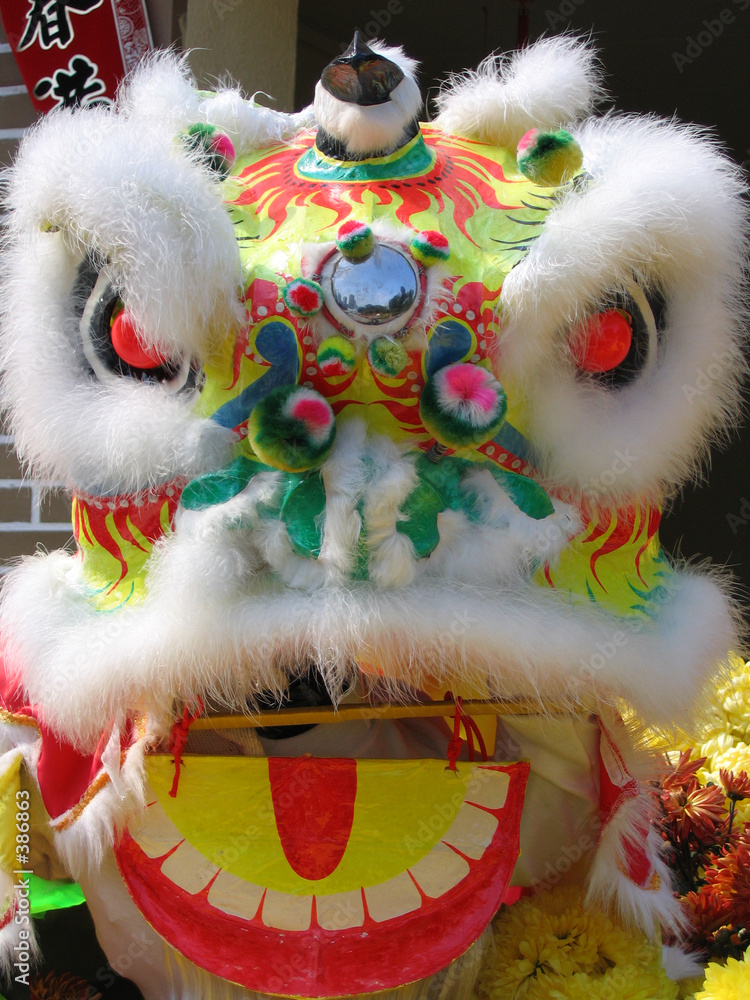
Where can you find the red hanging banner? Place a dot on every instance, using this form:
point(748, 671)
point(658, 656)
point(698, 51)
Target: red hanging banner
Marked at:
point(74, 53)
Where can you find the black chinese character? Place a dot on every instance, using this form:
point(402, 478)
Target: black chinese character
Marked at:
point(76, 86)
point(50, 21)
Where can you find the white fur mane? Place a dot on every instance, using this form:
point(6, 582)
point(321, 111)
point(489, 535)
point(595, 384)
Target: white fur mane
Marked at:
point(551, 83)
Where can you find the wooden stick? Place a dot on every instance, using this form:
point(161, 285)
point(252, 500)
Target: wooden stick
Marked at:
point(324, 714)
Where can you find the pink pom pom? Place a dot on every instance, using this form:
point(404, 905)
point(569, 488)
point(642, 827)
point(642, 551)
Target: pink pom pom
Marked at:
point(469, 388)
point(222, 145)
point(314, 413)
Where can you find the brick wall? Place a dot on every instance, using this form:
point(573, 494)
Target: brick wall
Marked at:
point(32, 513)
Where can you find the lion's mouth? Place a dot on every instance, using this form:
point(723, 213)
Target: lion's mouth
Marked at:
point(320, 867)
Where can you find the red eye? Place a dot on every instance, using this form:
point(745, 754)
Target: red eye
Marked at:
point(602, 341)
point(129, 346)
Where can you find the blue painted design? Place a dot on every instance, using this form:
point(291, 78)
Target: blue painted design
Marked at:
point(277, 344)
point(512, 440)
point(411, 160)
point(450, 342)
point(657, 593)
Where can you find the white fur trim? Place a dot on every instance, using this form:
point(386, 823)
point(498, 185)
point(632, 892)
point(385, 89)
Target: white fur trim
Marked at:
point(378, 129)
point(553, 82)
point(162, 90)
point(680, 964)
point(665, 208)
point(82, 839)
point(100, 439)
point(251, 126)
point(10, 941)
point(393, 562)
point(609, 886)
point(506, 545)
point(131, 191)
point(344, 476)
point(225, 632)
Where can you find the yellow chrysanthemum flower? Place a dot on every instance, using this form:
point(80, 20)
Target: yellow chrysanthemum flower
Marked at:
point(727, 718)
point(726, 982)
point(627, 983)
point(556, 947)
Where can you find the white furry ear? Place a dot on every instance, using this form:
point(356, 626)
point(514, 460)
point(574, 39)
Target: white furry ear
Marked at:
point(162, 90)
point(663, 214)
point(127, 196)
point(375, 129)
point(124, 186)
point(551, 83)
point(249, 125)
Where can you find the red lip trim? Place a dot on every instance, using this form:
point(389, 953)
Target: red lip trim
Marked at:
point(320, 963)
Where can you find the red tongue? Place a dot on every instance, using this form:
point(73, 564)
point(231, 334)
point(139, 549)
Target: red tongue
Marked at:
point(313, 803)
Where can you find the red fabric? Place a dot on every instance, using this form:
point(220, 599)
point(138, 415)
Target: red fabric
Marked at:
point(63, 773)
point(639, 866)
point(617, 784)
point(12, 697)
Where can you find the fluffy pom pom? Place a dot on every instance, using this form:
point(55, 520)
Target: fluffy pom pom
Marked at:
point(387, 357)
point(336, 356)
point(549, 158)
point(303, 297)
point(462, 405)
point(214, 147)
point(129, 346)
point(355, 240)
point(292, 428)
point(430, 247)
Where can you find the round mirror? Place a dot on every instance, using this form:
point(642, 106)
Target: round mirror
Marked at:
point(376, 290)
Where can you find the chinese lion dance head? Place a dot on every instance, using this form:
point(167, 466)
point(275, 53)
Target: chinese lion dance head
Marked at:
point(355, 412)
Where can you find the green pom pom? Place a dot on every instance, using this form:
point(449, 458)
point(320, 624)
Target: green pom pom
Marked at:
point(430, 247)
point(355, 240)
point(213, 146)
point(303, 297)
point(387, 357)
point(549, 158)
point(292, 428)
point(336, 356)
point(462, 405)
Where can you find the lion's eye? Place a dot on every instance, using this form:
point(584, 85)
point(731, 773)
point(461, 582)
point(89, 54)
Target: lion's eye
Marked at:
point(603, 340)
point(109, 338)
point(618, 342)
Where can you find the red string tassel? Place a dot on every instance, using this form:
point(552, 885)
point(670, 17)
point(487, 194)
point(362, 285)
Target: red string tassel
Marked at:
point(471, 729)
point(178, 737)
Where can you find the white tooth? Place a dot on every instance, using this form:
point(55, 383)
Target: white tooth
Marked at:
point(471, 832)
point(439, 871)
point(287, 912)
point(189, 869)
point(340, 910)
point(154, 832)
point(488, 788)
point(393, 898)
point(235, 895)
